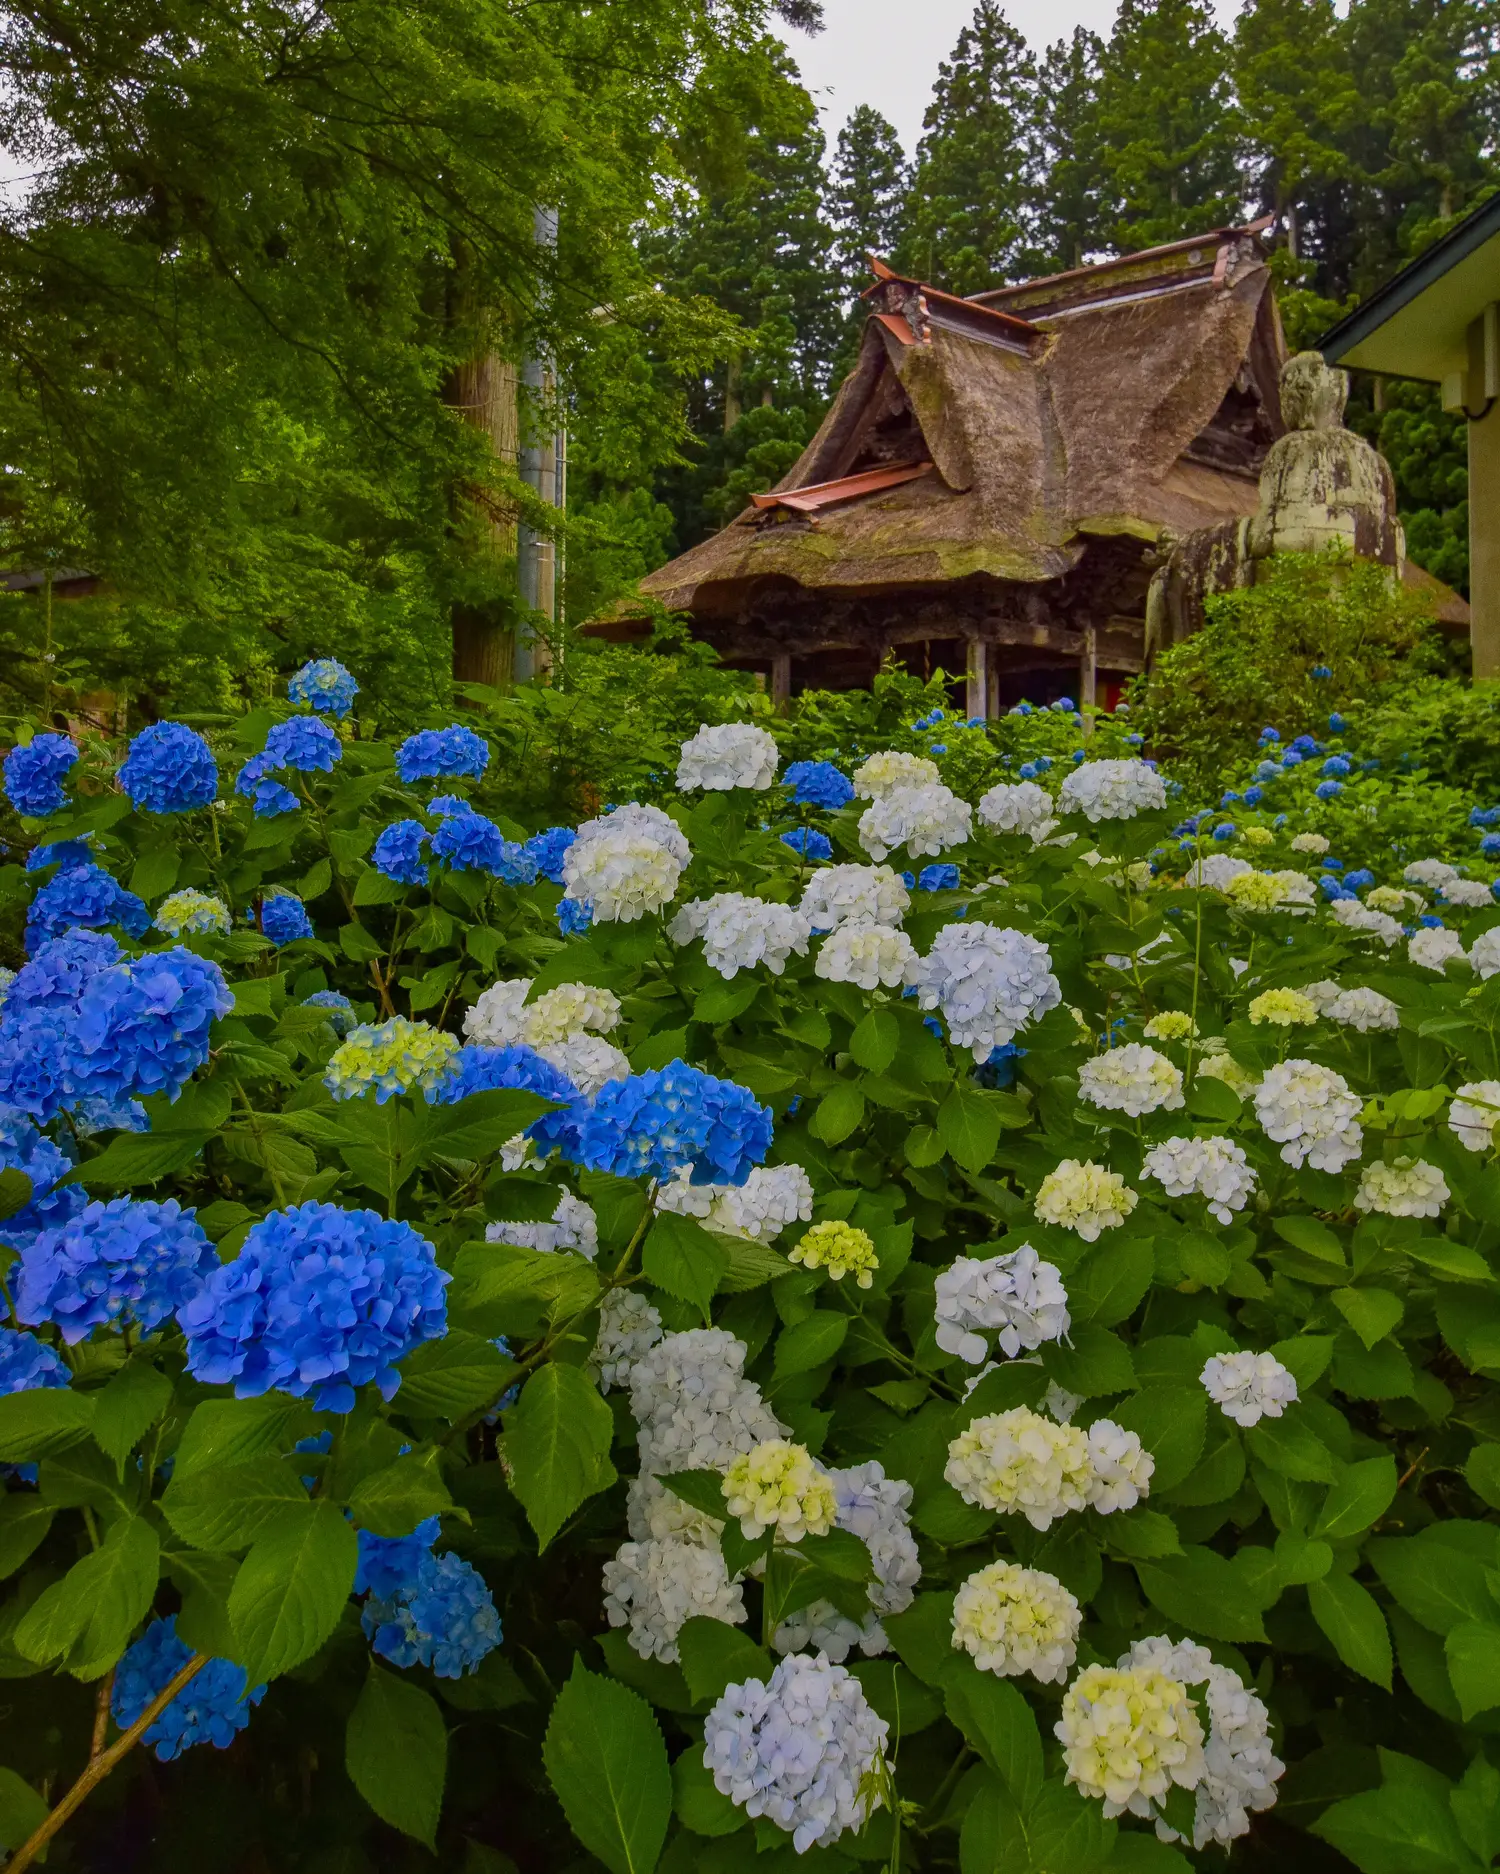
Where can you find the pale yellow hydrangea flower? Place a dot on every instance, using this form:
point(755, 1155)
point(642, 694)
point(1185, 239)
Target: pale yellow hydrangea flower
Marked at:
point(1014, 1620)
point(1171, 1025)
point(1128, 1736)
point(779, 1486)
point(1083, 1196)
point(841, 1249)
point(1283, 1008)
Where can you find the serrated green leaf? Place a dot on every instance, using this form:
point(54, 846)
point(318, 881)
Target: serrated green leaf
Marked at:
point(392, 1501)
point(837, 1114)
point(1208, 1593)
point(1371, 1312)
point(875, 1039)
point(1361, 1497)
point(225, 1432)
point(969, 1126)
point(1171, 1422)
point(454, 1376)
point(128, 1406)
point(810, 1342)
point(291, 1588)
point(714, 1655)
point(606, 1761)
point(557, 1440)
point(998, 1722)
point(1473, 1653)
point(1350, 1616)
point(223, 1510)
point(35, 1424)
point(696, 1798)
point(396, 1753)
point(22, 1809)
point(86, 1620)
point(684, 1259)
point(133, 1158)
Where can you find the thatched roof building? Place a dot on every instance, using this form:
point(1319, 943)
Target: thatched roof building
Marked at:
point(994, 482)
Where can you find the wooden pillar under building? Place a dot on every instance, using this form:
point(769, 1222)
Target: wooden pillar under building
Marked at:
point(781, 680)
point(1484, 544)
point(977, 690)
point(1088, 675)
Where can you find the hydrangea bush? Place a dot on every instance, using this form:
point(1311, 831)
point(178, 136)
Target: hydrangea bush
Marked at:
point(644, 1345)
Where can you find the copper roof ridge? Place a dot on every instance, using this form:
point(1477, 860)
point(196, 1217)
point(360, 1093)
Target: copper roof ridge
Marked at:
point(1097, 267)
point(842, 487)
point(1024, 330)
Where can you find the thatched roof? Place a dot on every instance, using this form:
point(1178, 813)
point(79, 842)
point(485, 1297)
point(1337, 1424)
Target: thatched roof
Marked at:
point(1115, 401)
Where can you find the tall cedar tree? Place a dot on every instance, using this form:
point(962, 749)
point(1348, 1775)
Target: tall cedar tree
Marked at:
point(973, 196)
point(761, 248)
point(867, 194)
point(1068, 213)
point(1167, 124)
point(262, 241)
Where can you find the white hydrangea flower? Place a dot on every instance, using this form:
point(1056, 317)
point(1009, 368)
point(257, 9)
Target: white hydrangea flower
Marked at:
point(1433, 873)
point(589, 1062)
point(1112, 790)
point(1389, 898)
point(625, 865)
point(1472, 1116)
point(1083, 1196)
point(821, 1628)
point(1239, 1770)
point(1132, 1079)
point(1019, 807)
point(1469, 894)
point(1406, 1187)
point(866, 954)
point(1322, 995)
point(925, 820)
point(569, 1009)
point(1215, 870)
point(1434, 949)
point(1366, 922)
point(1311, 1113)
point(655, 1587)
point(865, 894)
point(1217, 1063)
point(496, 1019)
point(726, 755)
point(1015, 1620)
point(693, 1405)
point(1484, 953)
point(1364, 1010)
point(1309, 842)
point(780, 1486)
point(654, 1513)
point(799, 1749)
point(890, 768)
point(1249, 1386)
point(1128, 1734)
point(771, 1198)
point(1019, 1463)
point(1216, 1168)
point(1059, 1404)
point(574, 1226)
point(988, 983)
point(1017, 1297)
point(1121, 1468)
point(738, 932)
point(877, 1509)
point(628, 1328)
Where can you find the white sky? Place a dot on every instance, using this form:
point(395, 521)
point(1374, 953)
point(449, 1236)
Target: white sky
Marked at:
point(886, 52)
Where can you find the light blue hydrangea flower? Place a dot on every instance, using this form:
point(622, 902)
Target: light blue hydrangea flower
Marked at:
point(324, 685)
point(169, 769)
point(212, 1708)
point(124, 1261)
point(319, 1301)
point(434, 752)
point(33, 775)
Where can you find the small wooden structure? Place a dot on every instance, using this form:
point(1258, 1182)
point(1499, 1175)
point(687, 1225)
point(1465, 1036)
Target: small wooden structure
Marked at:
point(998, 476)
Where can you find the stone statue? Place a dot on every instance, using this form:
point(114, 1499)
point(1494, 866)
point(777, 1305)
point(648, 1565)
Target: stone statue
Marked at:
point(1322, 489)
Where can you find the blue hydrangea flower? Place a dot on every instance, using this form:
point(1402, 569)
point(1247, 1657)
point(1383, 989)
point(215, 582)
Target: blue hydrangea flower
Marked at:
point(1064, 705)
point(468, 842)
point(1339, 765)
point(808, 843)
point(319, 1300)
point(1478, 816)
point(938, 878)
point(1228, 798)
point(1337, 723)
point(1490, 845)
point(433, 752)
point(482, 1070)
point(112, 1263)
point(398, 852)
point(1291, 759)
point(1429, 922)
point(212, 1708)
point(1267, 771)
point(444, 1620)
point(548, 850)
point(284, 918)
point(257, 782)
point(655, 1123)
point(28, 1364)
point(976, 722)
point(33, 775)
point(44, 1162)
point(169, 769)
point(1334, 888)
point(1307, 745)
point(1254, 796)
point(444, 804)
point(305, 743)
point(818, 784)
point(1225, 830)
point(83, 896)
point(573, 915)
point(71, 852)
point(1321, 671)
point(340, 1008)
point(999, 1071)
point(388, 1565)
point(1357, 881)
point(937, 748)
point(1328, 790)
point(324, 685)
point(1270, 735)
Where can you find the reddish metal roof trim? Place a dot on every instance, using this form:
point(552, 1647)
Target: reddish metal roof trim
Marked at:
point(894, 323)
point(960, 312)
point(849, 488)
point(1208, 238)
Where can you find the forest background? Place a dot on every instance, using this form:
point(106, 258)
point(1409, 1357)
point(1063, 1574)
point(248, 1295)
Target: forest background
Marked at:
point(256, 256)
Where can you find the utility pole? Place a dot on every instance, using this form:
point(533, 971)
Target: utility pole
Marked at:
point(543, 468)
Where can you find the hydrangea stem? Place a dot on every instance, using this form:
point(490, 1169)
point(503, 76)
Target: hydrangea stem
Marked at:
point(102, 1761)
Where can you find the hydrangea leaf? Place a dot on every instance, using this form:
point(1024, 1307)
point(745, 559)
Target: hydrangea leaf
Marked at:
point(22, 1809)
point(224, 1509)
point(1361, 1497)
point(999, 1724)
point(1473, 1653)
point(86, 1619)
point(133, 1158)
point(605, 1759)
point(696, 1799)
point(292, 1587)
point(1207, 1593)
point(1351, 1618)
point(128, 1406)
point(224, 1432)
point(35, 1424)
point(684, 1259)
point(450, 1377)
point(969, 1127)
point(715, 1655)
point(1389, 1831)
point(396, 1753)
point(1435, 1582)
point(1371, 1312)
point(557, 1440)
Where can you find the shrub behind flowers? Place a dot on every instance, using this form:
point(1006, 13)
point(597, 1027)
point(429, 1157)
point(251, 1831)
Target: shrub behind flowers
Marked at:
point(982, 1365)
